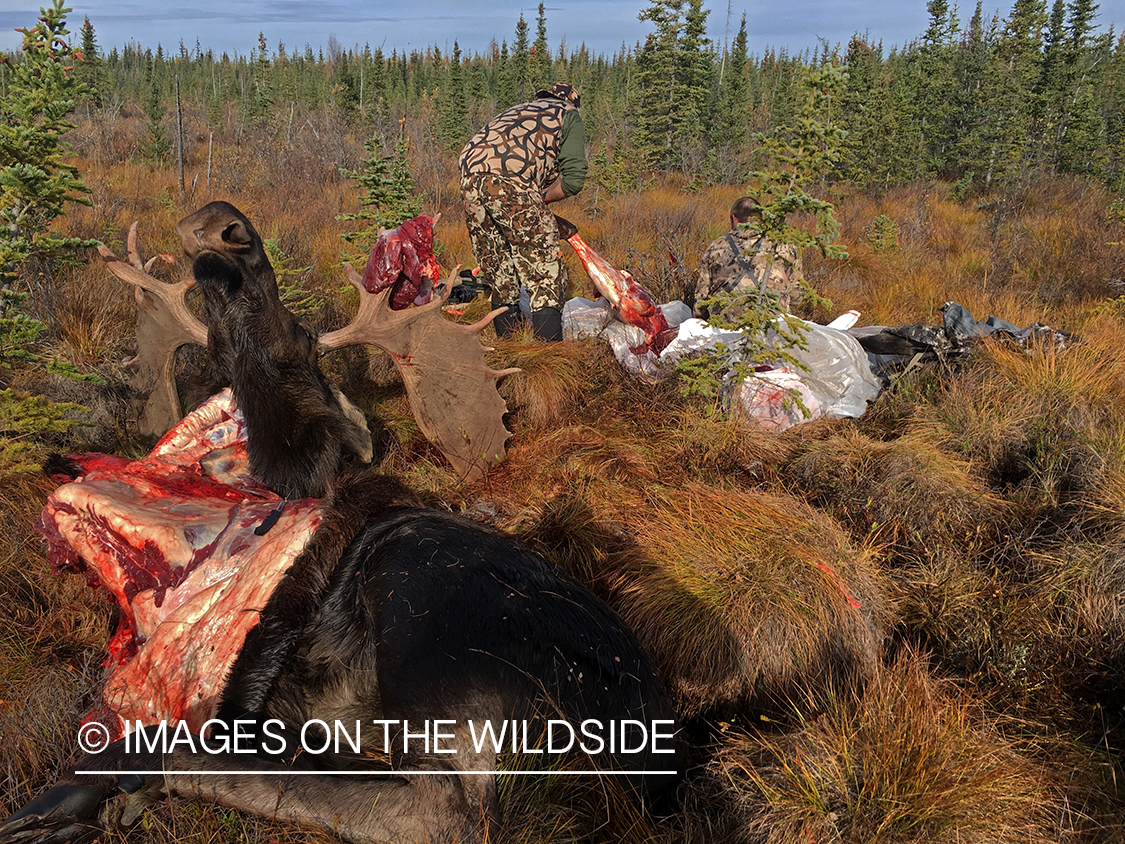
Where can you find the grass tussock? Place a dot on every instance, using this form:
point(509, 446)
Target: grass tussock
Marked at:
point(50, 633)
point(907, 759)
point(742, 597)
point(1039, 426)
point(40, 707)
point(1090, 586)
point(551, 384)
point(907, 494)
point(738, 597)
point(567, 809)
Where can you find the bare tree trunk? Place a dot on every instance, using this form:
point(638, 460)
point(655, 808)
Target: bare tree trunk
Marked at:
point(180, 133)
point(210, 147)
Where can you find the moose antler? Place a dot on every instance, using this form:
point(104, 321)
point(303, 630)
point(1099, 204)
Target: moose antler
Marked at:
point(164, 323)
point(451, 388)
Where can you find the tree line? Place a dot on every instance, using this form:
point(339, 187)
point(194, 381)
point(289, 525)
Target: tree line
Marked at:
point(985, 104)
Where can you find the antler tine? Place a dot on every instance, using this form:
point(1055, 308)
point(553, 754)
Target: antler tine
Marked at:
point(355, 278)
point(164, 323)
point(487, 318)
point(449, 283)
point(131, 246)
point(169, 294)
point(451, 388)
point(375, 320)
point(365, 328)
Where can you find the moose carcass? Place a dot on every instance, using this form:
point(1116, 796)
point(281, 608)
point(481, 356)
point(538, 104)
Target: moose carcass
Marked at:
point(393, 614)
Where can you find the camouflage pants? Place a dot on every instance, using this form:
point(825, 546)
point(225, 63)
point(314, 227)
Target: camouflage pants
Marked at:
point(515, 241)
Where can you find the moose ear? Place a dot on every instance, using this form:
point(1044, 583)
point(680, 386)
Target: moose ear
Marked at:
point(236, 233)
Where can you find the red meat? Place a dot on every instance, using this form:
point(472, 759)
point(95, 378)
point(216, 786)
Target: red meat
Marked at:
point(404, 258)
point(177, 538)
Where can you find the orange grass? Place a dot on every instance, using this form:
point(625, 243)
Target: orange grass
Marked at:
point(737, 595)
point(906, 760)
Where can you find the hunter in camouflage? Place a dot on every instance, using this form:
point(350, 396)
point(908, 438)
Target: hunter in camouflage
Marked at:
point(739, 261)
point(531, 155)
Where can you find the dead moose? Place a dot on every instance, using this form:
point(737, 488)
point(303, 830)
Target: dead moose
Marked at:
point(392, 612)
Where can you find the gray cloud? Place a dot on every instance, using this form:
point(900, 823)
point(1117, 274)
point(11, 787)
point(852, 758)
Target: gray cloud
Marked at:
point(603, 25)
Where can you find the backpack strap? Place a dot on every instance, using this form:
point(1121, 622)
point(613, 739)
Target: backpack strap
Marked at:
point(746, 266)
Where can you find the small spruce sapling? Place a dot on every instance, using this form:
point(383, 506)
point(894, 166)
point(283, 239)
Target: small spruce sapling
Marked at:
point(290, 281)
point(35, 183)
point(389, 197)
point(794, 158)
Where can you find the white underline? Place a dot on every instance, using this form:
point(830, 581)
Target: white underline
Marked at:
point(380, 773)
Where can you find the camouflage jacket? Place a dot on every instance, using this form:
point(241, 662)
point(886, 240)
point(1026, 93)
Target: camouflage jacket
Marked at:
point(739, 260)
point(533, 143)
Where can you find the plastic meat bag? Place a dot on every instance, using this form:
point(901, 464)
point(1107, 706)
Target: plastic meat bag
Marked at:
point(838, 380)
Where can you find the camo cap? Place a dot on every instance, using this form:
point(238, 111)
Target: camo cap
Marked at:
point(562, 91)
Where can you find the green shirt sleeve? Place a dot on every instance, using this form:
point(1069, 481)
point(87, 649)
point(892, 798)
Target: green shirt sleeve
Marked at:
point(572, 153)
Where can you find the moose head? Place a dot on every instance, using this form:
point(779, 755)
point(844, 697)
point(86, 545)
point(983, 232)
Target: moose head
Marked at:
point(303, 426)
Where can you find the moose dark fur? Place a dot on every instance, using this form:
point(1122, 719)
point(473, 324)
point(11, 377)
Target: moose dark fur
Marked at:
point(300, 426)
point(394, 611)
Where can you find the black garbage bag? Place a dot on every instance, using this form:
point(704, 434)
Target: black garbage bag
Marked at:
point(891, 349)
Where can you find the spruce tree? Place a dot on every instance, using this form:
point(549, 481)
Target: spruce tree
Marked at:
point(156, 148)
point(454, 125)
point(731, 127)
point(672, 80)
point(931, 92)
point(477, 95)
point(520, 66)
point(346, 86)
point(378, 98)
point(1113, 106)
point(870, 122)
point(506, 83)
point(541, 67)
point(1080, 135)
point(261, 107)
point(799, 157)
point(89, 71)
point(697, 65)
point(36, 183)
point(389, 196)
point(1008, 92)
point(966, 109)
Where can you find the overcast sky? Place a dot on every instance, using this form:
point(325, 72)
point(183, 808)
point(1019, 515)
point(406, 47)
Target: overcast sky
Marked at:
point(604, 25)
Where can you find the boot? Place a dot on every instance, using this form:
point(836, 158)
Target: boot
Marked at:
point(547, 324)
point(507, 322)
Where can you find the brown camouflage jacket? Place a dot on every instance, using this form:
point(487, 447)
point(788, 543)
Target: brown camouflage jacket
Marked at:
point(739, 260)
point(533, 143)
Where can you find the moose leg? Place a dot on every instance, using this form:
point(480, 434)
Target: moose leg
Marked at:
point(434, 805)
point(450, 799)
point(399, 809)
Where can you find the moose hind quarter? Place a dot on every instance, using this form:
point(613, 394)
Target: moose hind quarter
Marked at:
point(467, 615)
